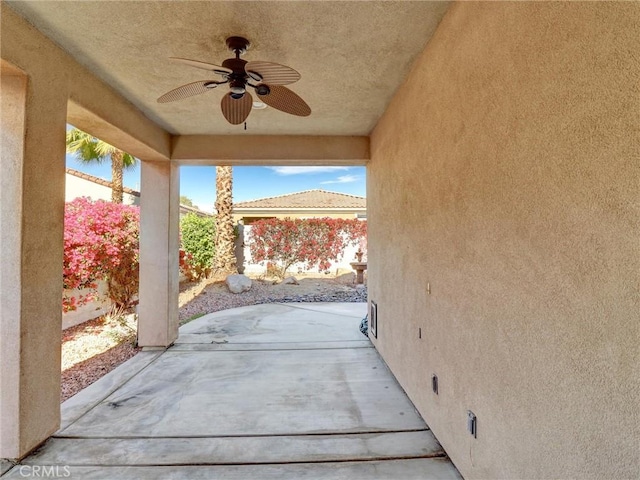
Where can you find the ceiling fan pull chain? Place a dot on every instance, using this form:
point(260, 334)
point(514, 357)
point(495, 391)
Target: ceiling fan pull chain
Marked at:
point(245, 125)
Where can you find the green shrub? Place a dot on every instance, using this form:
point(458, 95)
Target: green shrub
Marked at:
point(197, 239)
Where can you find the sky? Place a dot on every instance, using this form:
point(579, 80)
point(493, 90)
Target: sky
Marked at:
point(249, 183)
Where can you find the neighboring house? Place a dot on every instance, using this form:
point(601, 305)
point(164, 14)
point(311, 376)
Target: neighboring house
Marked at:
point(80, 184)
point(185, 209)
point(305, 204)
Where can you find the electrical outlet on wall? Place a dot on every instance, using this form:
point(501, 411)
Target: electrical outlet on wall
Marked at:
point(472, 424)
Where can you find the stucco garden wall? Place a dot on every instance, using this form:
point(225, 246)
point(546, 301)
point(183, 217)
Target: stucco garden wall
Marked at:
point(94, 309)
point(505, 175)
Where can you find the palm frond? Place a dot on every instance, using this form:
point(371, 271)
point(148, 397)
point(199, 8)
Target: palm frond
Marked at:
point(129, 161)
point(105, 149)
point(89, 149)
point(84, 146)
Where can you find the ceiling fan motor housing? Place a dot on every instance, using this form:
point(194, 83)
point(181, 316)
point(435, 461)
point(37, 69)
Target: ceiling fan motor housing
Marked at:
point(238, 79)
point(235, 64)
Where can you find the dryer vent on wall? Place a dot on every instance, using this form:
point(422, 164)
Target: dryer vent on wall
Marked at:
point(373, 320)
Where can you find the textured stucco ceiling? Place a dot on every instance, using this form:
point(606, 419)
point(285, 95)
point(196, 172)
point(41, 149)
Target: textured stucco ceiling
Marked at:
point(353, 55)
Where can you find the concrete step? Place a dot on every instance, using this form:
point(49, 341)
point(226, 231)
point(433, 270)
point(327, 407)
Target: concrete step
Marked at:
point(5, 465)
point(413, 469)
point(236, 450)
point(239, 347)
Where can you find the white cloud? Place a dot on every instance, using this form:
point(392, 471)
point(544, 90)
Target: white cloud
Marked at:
point(305, 170)
point(343, 179)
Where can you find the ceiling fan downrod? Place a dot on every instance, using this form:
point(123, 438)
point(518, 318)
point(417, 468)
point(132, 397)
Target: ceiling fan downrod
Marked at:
point(239, 78)
point(238, 45)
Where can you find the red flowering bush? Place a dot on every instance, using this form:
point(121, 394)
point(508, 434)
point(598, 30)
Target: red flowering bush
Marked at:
point(312, 241)
point(189, 267)
point(101, 242)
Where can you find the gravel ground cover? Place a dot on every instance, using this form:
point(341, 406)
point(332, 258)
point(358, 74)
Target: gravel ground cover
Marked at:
point(91, 350)
point(215, 296)
point(94, 348)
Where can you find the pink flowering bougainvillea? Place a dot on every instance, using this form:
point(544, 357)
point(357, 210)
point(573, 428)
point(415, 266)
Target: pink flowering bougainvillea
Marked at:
point(312, 241)
point(101, 242)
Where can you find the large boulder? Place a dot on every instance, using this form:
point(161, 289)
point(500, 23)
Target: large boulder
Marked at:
point(238, 283)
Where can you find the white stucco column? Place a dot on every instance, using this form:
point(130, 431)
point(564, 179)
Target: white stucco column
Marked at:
point(32, 174)
point(159, 247)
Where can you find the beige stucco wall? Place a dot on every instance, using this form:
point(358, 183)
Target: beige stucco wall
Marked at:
point(517, 136)
point(32, 180)
point(33, 115)
point(159, 245)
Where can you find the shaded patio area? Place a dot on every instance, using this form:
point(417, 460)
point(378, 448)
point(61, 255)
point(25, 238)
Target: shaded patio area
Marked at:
point(267, 391)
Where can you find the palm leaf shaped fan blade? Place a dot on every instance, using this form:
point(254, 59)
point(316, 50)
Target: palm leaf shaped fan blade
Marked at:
point(285, 100)
point(271, 73)
point(188, 90)
point(203, 65)
point(236, 110)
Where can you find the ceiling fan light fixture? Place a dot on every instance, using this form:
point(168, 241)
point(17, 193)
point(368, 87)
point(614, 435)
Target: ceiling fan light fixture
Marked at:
point(237, 86)
point(259, 105)
point(263, 90)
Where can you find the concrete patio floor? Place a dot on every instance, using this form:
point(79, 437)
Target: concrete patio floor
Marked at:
point(278, 391)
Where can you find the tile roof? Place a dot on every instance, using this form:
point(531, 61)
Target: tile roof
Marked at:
point(306, 199)
point(201, 213)
point(100, 181)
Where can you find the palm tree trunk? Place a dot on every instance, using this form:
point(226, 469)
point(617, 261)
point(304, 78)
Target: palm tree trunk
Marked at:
point(225, 259)
point(116, 176)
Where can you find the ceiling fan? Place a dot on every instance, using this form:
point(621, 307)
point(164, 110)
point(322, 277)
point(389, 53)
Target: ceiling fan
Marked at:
point(266, 78)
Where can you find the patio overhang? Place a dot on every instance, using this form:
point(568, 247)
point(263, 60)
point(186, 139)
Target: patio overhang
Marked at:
point(309, 150)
